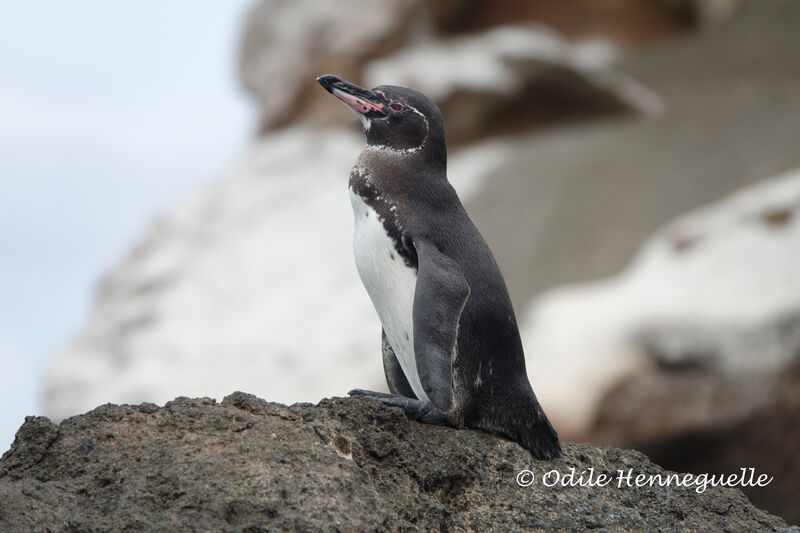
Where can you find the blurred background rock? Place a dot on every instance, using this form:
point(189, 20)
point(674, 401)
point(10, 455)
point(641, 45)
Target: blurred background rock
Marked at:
point(634, 165)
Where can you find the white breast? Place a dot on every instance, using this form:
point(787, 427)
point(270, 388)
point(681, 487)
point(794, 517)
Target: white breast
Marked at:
point(390, 284)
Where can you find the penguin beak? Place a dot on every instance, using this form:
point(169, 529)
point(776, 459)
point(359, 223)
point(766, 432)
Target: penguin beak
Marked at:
point(362, 101)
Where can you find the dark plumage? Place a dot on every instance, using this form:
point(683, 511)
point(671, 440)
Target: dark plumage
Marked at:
point(451, 347)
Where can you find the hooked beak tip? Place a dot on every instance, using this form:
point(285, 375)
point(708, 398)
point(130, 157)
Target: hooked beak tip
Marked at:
point(329, 82)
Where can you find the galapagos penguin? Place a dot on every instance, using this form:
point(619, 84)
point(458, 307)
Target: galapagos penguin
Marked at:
point(452, 353)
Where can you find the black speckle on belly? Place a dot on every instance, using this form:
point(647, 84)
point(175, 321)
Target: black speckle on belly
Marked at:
point(387, 214)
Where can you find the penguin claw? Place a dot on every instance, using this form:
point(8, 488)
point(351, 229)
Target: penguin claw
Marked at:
point(414, 409)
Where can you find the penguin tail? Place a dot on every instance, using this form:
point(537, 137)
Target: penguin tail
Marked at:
point(523, 420)
point(540, 439)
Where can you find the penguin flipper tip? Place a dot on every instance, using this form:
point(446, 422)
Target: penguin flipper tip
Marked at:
point(542, 441)
point(547, 450)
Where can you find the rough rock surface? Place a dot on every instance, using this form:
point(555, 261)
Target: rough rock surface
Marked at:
point(343, 465)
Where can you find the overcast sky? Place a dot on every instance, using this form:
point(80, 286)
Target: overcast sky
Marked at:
point(108, 111)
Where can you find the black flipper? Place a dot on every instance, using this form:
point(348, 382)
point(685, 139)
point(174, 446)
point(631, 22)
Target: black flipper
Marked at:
point(395, 377)
point(440, 296)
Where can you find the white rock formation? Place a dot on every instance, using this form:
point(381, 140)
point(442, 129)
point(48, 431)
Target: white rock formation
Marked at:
point(503, 60)
point(731, 266)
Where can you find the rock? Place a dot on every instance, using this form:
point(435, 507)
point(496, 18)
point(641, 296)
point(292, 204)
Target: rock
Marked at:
point(710, 290)
point(342, 465)
point(294, 42)
point(512, 78)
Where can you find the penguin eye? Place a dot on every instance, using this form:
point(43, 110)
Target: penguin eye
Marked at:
point(396, 106)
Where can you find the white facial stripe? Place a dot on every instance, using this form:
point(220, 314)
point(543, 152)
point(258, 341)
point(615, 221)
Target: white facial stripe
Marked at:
point(427, 128)
point(414, 109)
point(404, 150)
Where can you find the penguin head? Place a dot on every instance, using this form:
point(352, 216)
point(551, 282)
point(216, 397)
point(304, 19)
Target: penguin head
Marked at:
point(393, 117)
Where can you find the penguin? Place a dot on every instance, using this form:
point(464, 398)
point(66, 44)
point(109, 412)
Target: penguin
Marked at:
point(452, 353)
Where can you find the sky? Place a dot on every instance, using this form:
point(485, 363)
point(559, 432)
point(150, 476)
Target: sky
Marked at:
point(108, 112)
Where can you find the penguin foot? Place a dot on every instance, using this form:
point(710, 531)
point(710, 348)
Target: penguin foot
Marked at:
point(370, 393)
point(414, 409)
